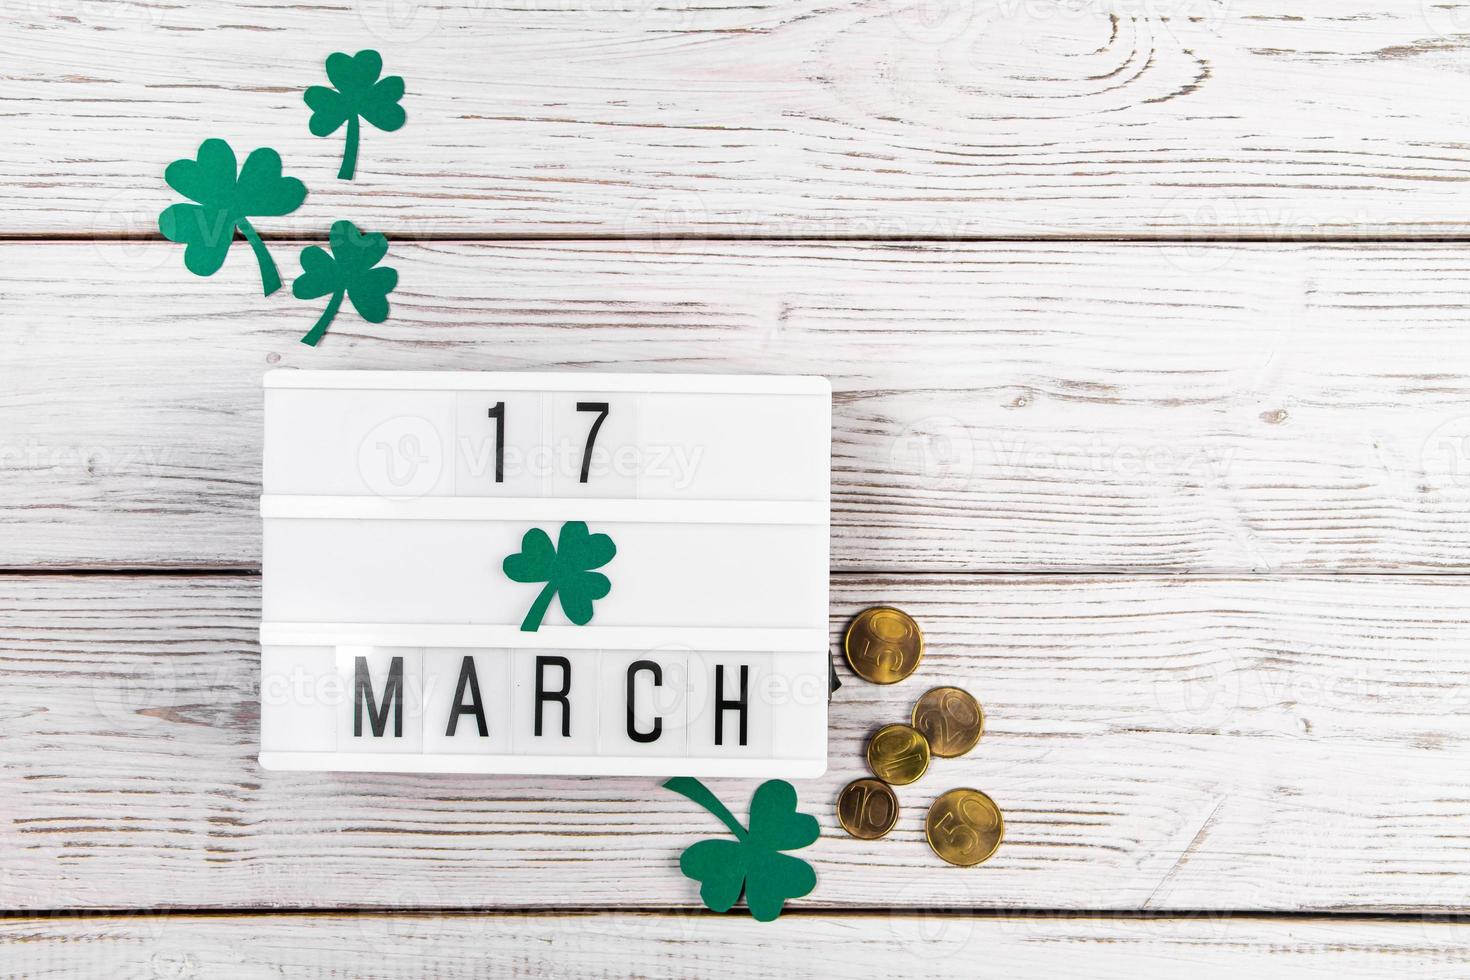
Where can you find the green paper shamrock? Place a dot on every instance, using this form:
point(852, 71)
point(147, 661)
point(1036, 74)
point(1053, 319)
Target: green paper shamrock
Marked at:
point(566, 570)
point(753, 861)
point(224, 201)
point(349, 271)
point(359, 94)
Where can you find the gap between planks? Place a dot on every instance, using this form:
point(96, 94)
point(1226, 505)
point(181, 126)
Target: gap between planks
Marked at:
point(1078, 238)
point(1039, 574)
point(801, 912)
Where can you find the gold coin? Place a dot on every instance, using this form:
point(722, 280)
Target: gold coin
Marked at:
point(883, 645)
point(898, 754)
point(867, 808)
point(950, 719)
point(964, 827)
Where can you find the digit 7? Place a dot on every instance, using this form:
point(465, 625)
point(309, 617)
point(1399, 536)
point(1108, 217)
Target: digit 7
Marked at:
point(601, 409)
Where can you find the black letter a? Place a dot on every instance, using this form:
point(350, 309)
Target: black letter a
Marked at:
point(467, 676)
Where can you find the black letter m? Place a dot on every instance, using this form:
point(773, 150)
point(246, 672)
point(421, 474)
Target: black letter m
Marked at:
point(392, 695)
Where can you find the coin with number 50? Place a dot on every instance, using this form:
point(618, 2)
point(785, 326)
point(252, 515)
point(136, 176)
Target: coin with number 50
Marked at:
point(964, 827)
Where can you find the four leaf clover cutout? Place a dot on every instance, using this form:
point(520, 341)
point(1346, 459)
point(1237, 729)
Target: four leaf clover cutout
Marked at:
point(224, 199)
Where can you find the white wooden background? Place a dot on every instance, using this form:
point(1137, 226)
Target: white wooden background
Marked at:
point(1147, 324)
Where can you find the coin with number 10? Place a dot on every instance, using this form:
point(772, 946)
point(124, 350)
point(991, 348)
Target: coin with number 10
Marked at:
point(867, 808)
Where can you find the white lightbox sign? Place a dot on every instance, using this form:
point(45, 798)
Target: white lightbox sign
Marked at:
point(545, 573)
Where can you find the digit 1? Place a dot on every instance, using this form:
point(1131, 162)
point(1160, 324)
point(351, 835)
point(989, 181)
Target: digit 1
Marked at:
point(601, 409)
point(498, 414)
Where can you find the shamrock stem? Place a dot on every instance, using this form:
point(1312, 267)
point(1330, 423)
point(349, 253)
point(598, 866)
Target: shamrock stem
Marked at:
point(532, 622)
point(314, 335)
point(270, 279)
point(349, 152)
point(700, 793)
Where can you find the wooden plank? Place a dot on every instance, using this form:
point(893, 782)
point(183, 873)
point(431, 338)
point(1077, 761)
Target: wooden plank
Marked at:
point(998, 407)
point(1284, 118)
point(380, 947)
point(1170, 743)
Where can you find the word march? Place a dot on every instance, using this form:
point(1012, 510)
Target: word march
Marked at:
point(546, 698)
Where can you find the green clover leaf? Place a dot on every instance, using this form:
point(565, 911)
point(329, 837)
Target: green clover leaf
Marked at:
point(753, 862)
point(224, 200)
point(359, 94)
point(348, 271)
point(566, 569)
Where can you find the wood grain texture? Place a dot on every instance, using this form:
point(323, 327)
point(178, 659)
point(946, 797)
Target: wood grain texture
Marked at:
point(1024, 407)
point(866, 118)
point(1160, 743)
point(452, 947)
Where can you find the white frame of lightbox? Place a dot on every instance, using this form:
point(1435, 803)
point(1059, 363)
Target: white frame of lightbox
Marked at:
point(813, 642)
